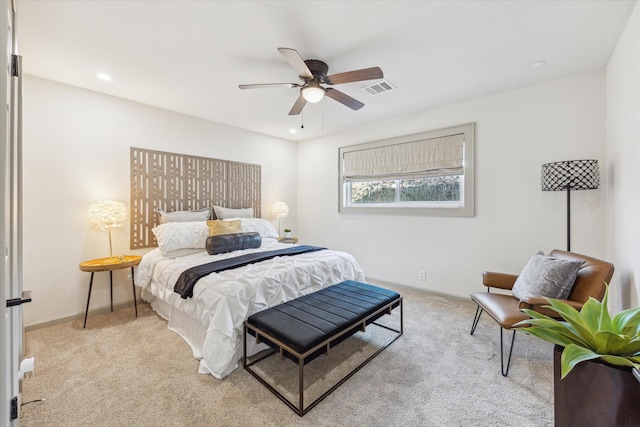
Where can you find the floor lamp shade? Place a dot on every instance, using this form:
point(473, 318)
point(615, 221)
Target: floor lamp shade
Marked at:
point(574, 174)
point(570, 175)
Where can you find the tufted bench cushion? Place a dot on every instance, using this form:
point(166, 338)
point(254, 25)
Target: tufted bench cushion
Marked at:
point(307, 321)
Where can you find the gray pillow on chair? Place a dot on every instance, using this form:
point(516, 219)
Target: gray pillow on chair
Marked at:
point(546, 276)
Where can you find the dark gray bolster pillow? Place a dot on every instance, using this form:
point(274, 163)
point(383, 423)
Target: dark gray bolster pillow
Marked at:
point(233, 242)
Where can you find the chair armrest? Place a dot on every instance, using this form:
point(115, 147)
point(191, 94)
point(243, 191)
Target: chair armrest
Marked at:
point(498, 280)
point(538, 303)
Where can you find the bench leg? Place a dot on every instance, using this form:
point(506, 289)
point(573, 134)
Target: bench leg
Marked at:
point(301, 386)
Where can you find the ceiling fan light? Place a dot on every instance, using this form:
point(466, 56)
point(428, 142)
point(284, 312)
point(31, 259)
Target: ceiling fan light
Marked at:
point(312, 93)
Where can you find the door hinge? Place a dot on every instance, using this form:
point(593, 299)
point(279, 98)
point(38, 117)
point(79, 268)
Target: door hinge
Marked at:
point(14, 408)
point(16, 61)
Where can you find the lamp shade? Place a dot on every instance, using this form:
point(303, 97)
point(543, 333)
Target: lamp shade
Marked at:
point(279, 210)
point(312, 92)
point(571, 174)
point(107, 214)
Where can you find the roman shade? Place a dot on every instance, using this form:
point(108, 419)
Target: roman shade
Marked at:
point(417, 159)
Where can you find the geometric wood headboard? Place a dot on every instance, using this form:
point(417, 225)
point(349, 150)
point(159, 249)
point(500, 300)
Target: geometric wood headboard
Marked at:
point(178, 182)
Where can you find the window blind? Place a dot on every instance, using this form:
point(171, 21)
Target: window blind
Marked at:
point(417, 159)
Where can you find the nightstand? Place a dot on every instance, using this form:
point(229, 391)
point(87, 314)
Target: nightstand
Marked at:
point(110, 264)
point(292, 240)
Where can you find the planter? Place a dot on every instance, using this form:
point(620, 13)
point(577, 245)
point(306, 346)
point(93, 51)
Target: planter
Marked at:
point(287, 234)
point(595, 394)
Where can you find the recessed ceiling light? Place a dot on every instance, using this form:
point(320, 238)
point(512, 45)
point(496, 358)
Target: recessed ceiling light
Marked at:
point(103, 76)
point(293, 131)
point(538, 64)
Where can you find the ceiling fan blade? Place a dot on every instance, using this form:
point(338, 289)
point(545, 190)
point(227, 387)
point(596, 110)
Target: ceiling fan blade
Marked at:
point(298, 106)
point(296, 61)
point(268, 85)
point(355, 76)
point(343, 98)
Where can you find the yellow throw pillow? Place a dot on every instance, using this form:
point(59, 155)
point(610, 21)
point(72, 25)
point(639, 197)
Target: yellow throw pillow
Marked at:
point(217, 227)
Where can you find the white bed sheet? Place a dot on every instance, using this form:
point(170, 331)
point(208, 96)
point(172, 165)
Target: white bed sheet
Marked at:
point(211, 322)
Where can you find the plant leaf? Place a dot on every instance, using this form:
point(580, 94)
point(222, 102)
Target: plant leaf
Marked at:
point(552, 330)
point(608, 342)
point(591, 313)
point(627, 322)
point(534, 314)
point(635, 359)
point(572, 355)
point(617, 360)
point(605, 318)
point(632, 348)
point(554, 336)
point(555, 331)
point(573, 317)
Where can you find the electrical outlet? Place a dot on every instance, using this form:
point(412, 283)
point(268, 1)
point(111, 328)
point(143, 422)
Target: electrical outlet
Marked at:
point(422, 275)
point(26, 367)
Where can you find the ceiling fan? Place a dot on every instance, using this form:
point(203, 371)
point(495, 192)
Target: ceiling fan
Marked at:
point(313, 73)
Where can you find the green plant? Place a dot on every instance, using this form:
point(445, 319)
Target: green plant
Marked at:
point(590, 333)
point(286, 230)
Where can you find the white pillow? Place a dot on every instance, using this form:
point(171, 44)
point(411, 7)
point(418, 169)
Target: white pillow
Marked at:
point(225, 213)
point(184, 216)
point(172, 236)
point(257, 225)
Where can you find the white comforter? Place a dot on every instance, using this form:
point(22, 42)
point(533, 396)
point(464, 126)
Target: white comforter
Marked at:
point(222, 301)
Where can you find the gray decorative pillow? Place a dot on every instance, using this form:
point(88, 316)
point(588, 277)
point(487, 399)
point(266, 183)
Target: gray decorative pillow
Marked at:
point(546, 276)
point(184, 216)
point(226, 213)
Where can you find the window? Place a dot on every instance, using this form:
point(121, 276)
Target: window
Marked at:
point(425, 174)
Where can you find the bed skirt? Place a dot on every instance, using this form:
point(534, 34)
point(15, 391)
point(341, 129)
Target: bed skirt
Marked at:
point(193, 332)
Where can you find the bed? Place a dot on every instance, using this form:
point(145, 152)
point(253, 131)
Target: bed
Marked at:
point(211, 321)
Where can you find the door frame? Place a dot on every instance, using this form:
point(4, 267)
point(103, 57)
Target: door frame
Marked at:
point(10, 221)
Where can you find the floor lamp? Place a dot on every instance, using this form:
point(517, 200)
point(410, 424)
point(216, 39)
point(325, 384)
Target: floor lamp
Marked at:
point(570, 175)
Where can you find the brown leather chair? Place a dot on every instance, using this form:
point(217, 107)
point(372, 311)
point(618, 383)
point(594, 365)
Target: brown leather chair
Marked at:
point(506, 309)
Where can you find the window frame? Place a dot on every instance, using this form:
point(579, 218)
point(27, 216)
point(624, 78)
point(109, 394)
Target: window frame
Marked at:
point(399, 208)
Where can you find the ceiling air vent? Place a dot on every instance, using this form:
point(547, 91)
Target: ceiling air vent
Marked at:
point(379, 87)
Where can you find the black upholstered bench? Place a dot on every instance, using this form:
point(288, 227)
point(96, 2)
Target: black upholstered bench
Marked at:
point(309, 326)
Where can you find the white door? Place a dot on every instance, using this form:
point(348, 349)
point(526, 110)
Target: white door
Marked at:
point(10, 219)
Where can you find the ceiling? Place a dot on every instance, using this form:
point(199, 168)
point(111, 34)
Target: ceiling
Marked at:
point(190, 56)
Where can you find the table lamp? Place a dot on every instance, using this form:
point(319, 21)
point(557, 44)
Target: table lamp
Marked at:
point(106, 215)
point(279, 210)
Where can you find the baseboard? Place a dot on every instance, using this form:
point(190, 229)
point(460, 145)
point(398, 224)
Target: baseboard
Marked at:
point(100, 310)
point(375, 281)
point(107, 308)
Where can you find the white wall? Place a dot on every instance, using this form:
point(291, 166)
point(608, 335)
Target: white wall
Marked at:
point(76, 152)
point(516, 132)
point(623, 154)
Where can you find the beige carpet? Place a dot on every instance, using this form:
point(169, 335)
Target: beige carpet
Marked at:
point(127, 371)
